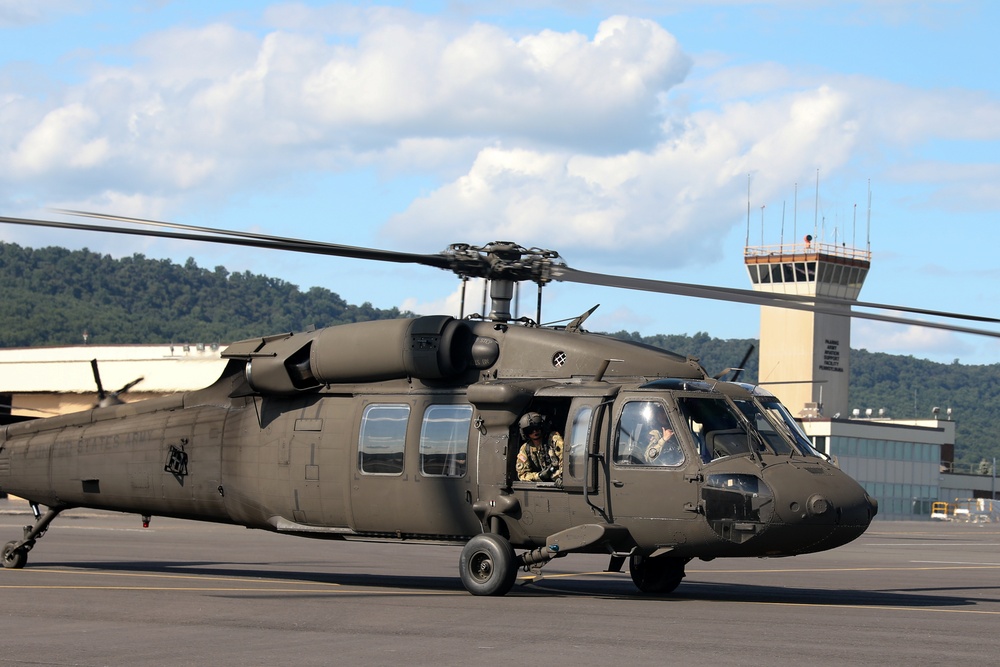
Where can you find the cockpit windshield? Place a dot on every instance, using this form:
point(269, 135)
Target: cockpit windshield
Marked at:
point(779, 443)
point(779, 413)
point(717, 429)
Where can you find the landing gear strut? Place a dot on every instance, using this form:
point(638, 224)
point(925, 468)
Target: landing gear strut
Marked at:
point(15, 552)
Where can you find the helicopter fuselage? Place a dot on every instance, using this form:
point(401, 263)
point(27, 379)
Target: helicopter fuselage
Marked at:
point(407, 430)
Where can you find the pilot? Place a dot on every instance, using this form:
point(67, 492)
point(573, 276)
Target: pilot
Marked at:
point(541, 454)
point(662, 447)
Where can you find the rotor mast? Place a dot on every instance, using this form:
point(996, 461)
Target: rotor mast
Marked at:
point(504, 264)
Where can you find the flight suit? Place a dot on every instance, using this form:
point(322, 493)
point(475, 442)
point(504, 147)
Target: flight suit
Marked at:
point(532, 460)
point(663, 451)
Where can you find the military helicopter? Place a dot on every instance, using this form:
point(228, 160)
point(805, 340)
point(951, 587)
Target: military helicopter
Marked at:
point(408, 431)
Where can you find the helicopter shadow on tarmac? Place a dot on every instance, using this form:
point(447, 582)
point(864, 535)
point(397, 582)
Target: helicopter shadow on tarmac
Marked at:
point(693, 591)
point(602, 586)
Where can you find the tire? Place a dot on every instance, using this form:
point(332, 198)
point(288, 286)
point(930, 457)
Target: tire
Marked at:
point(14, 559)
point(487, 565)
point(656, 576)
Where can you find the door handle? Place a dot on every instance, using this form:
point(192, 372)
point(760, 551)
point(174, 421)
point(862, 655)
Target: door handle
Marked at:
point(618, 483)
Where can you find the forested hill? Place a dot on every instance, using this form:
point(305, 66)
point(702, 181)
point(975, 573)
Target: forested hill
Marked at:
point(52, 295)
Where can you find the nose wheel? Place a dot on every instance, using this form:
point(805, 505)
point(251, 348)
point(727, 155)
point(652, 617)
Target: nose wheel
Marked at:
point(656, 576)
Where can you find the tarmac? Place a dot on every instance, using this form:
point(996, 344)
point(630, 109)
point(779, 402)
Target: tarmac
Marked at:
point(99, 589)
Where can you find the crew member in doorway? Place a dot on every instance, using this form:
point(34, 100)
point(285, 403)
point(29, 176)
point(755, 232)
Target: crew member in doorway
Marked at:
point(541, 454)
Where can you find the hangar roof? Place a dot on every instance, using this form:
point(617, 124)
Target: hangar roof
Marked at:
point(164, 368)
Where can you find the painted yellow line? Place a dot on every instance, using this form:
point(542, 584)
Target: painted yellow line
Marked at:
point(788, 570)
point(538, 584)
point(823, 605)
point(153, 575)
point(971, 566)
point(264, 585)
point(194, 589)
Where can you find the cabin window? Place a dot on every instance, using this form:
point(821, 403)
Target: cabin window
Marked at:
point(444, 440)
point(383, 436)
point(578, 438)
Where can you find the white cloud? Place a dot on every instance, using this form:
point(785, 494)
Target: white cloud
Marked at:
point(214, 108)
point(909, 340)
point(65, 137)
point(547, 87)
point(451, 304)
point(14, 13)
point(667, 204)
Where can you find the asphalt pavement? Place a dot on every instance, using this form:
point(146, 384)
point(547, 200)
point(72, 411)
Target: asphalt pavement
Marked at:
point(99, 589)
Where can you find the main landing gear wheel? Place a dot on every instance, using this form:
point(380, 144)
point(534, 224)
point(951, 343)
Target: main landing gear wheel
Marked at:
point(656, 576)
point(14, 558)
point(488, 565)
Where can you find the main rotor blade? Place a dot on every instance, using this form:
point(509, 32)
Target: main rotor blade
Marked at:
point(245, 239)
point(735, 295)
point(479, 262)
point(768, 298)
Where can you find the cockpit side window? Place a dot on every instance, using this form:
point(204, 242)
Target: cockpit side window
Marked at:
point(646, 436)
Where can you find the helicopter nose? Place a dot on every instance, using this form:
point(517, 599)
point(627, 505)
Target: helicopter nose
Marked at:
point(818, 504)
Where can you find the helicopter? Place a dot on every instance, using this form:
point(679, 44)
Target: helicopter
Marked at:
point(408, 430)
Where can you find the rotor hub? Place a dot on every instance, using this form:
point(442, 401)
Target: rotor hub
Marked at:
point(504, 260)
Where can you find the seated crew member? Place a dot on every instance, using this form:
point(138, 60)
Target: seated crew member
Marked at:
point(540, 456)
point(663, 448)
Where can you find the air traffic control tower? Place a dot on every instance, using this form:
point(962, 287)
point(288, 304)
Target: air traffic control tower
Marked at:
point(805, 356)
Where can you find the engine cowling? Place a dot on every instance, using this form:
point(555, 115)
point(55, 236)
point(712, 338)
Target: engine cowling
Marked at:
point(427, 348)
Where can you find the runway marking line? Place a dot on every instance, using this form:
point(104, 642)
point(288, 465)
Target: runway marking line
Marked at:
point(192, 589)
point(822, 605)
point(923, 545)
point(538, 583)
point(264, 587)
point(153, 575)
point(265, 584)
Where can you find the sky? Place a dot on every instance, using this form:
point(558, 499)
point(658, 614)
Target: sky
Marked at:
point(648, 139)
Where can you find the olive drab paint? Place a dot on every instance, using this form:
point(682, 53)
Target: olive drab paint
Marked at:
point(407, 430)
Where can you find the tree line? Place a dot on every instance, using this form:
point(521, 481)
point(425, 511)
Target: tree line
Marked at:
point(52, 296)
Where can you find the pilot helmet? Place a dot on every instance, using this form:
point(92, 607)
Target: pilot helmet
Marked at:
point(529, 421)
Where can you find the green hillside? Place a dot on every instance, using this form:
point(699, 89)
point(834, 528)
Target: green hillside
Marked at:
point(52, 295)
